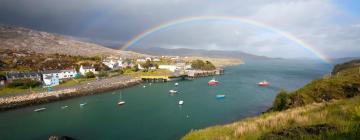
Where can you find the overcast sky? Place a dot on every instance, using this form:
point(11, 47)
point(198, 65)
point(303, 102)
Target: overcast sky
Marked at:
point(330, 26)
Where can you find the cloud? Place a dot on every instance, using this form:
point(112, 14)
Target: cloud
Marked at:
point(320, 23)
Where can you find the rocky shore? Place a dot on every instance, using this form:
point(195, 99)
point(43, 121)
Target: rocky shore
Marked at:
point(93, 87)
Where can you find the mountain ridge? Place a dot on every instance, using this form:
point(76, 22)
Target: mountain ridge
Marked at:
point(199, 52)
point(20, 38)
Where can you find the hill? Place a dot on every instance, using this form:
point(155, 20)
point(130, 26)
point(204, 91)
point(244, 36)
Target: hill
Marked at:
point(198, 52)
point(327, 108)
point(47, 43)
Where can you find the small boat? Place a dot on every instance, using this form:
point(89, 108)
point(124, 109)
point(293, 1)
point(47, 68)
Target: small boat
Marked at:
point(181, 102)
point(176, 84)
point(220, 96)
point(121, 102)
point(40, 109)
point(213, 82)
point(63, 107)
point(144, 86)
point(263, 83)
point(83, 104)
point(172, 91)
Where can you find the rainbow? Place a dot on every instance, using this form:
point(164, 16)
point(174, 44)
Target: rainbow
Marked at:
point(176, 22)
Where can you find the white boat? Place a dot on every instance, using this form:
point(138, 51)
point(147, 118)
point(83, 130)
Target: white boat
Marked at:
point(83, 104)
point(176, 84)
point(181, 102)
point(144, 86)
point(63, 107)
point(172, 91)
point(121, 102)
point(40, 109)
point(220, 96)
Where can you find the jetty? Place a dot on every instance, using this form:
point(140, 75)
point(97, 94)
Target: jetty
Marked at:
point(181, 75)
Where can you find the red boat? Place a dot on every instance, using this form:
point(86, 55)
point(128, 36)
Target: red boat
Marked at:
point(213, 82)
point(264, 83)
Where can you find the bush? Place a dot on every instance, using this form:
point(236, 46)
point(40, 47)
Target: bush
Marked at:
point(103, 74)
point(24, 83)
point(201, 65)
point(282, 101)
point(89, 75)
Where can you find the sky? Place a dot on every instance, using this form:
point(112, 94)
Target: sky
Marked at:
point(331, 27)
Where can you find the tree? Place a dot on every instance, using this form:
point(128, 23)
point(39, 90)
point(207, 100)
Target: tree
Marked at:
point(90, 75)
point(282, 101)
point(103, 74)
point(201, 65)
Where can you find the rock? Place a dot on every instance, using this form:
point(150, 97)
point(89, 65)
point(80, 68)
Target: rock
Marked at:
point(60, 138)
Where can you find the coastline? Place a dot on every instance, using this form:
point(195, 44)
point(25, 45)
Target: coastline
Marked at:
point(96, 87)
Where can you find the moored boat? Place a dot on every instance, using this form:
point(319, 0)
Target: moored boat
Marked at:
point(121, 102)
point(82, 104)
point(220, 96)
point(40, 109)
point(264, 83)
point(172, 91)
point(213, 82)
point(181, 102)
point(176, 84)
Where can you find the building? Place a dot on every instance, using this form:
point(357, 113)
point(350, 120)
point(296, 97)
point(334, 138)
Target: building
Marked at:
point(171, 68)
point(51, 80)
point(156, 59)
point(2, 80)
point(68, 73)
point(10, 76)
point(113, 63)
point(85, 69)
point(141, 60)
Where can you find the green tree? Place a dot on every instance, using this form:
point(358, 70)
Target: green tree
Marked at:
point(90, 75)
point(282, 101)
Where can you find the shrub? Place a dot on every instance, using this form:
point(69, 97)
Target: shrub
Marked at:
point(24, 83)
point(282, 101)
point(89, 75)
point(201, 65)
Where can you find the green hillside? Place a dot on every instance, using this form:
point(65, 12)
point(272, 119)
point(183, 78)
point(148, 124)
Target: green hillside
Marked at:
point(327, 108)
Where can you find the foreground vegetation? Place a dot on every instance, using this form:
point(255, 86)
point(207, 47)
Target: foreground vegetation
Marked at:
point(327, 108)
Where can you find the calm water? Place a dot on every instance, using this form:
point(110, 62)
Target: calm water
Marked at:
point(152, 113)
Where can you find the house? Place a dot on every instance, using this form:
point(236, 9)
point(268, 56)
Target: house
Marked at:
point(51, 80)
point(141, 60)
point(2, 80)
point(10, 76)
point(148, 59)
point(60, 74)
point(171, 68)
point(68, 73)
point(156, 59)
point(85, 69)
point(113, 63)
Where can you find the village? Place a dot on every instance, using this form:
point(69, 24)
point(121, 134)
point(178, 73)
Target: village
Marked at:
point(153, 68)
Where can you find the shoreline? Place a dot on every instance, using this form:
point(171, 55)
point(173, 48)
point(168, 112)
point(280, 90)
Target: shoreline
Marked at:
point(91, 88)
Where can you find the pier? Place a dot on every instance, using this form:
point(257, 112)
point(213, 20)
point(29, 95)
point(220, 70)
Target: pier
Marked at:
point(189, 74)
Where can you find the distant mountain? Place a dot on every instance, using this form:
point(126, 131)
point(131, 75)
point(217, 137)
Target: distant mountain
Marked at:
point(342, 60)
point(198, 52)
point(42, 42)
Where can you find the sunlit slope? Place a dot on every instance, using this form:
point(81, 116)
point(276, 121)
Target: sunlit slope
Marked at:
point(327, 108)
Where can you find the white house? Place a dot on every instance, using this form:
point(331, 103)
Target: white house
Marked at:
point(85, 69)
point(67, 73)
point(141, 60)
point(171, 68)
point(156, 59)
point(113, 63)
point(51, 77)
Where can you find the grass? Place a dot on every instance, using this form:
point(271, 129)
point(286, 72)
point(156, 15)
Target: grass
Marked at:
point(157, 72)
point(327, 108)
point(337, 119)
point(8, 91)
point(73, 82)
